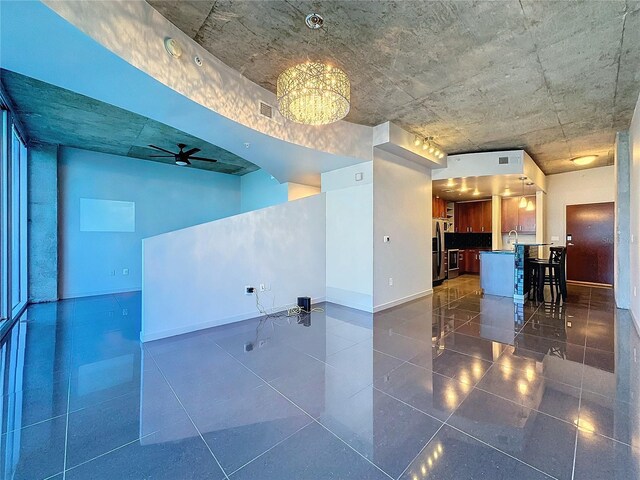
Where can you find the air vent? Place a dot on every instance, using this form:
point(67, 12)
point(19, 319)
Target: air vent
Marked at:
point(266, 110)
point(503, 160)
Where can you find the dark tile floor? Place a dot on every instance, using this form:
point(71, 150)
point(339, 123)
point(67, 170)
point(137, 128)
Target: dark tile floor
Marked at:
point(452, 386)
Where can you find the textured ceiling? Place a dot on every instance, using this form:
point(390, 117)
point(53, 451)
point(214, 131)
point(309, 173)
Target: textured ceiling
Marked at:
point(54, 115)
point(557, 79)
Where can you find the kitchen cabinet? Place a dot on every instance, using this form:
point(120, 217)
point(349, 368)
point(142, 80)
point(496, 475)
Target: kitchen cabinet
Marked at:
point(438, 208)
point(519, 219)
point(461, 262)
point(472, 260)
point(473, 217)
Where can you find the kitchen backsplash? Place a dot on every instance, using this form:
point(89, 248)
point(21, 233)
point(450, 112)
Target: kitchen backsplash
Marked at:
point(467, 240)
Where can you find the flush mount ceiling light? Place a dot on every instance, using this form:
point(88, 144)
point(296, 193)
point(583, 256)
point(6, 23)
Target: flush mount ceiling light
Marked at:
point(172, 47)
point(586, 160)
point(313, 93)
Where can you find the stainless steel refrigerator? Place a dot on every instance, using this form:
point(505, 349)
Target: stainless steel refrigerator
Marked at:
point(438, 252)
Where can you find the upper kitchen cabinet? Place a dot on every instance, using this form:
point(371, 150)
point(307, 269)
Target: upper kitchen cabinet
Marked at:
point(473, 217)
point(519, 219)
point(438, 208)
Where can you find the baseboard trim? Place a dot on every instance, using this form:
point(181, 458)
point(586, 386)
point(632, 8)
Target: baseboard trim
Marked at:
point(590, 284)
point(172, 332)
point(400, 301)
point(104, 292)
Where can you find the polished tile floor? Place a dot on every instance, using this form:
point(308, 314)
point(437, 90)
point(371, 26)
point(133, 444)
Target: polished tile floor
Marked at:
point(452, 386)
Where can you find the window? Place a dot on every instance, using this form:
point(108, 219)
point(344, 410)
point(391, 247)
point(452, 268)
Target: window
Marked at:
point(13, 218)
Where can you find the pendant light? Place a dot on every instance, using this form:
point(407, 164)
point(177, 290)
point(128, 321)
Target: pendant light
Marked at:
point(523, 199)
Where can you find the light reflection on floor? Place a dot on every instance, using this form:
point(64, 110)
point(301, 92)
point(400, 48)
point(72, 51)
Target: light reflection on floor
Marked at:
point(454, 385)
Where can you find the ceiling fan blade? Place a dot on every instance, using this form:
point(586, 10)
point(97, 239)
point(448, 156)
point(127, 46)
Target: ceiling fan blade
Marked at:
point(202, 158)
point(162, 149)
point(188, 153)
point(161, 156)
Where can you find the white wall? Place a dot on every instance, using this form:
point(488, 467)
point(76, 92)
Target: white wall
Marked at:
point(166, 198)
point(402, 210)
point(260, 189)
point(634, 145)
point(349, 236)
point(593, 185)
point(194, 278)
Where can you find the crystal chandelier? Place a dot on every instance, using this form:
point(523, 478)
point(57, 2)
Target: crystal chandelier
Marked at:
point(313, 93)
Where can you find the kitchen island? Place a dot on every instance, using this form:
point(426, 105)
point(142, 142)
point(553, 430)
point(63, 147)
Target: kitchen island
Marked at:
point(505, 273)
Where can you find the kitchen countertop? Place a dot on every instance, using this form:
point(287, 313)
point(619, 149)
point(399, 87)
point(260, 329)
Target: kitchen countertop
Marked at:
point(499, 252)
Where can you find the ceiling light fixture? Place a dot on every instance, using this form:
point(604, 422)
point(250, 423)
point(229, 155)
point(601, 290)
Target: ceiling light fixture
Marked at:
point(313, 93)
point(523, 199)
point(417, 141)
point(586, 160)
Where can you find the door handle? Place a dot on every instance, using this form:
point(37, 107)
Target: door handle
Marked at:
point(570, 245)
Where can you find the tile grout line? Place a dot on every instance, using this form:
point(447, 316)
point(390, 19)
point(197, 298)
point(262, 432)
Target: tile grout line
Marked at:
point(66, 428)
point(501, 451)
point(443, 423)
point(271, 448)
point(584, 356)
point(310, 416)
point(189, 416)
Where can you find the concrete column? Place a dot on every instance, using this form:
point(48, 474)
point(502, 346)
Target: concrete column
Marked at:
point(496, 222)
point(42, 227)
point(622, 246)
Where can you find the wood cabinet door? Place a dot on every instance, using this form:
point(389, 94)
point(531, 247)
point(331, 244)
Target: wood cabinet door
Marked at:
point(475, 216)
point(461, 262)
point(487, 215)
point(509, 214)
point(461, 217)
point(527, 218)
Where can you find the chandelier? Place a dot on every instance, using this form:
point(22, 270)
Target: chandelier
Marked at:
point(313, 93)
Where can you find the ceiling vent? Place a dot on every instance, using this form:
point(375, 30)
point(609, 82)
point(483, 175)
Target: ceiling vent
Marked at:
point(266, 110)
point(503, 160)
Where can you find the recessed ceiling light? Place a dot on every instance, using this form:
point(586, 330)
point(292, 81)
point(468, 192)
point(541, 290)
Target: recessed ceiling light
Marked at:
point(586, 160)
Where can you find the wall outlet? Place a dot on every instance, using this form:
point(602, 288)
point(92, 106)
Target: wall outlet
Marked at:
point(249, 290)
point(359, 176)
point(125, 271)
point(112, 273)
point(390, 281)
point(125, 312)
point(262, 287)
point(386, 239)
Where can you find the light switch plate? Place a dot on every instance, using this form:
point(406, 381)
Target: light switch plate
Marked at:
point(359, 176)
point(386, 239)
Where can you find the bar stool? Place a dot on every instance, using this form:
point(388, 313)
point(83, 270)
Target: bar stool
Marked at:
point(550, 272)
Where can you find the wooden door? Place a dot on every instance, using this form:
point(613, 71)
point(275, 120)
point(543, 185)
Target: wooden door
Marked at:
point(486, 217)
point(509, 214)
point(590, 236)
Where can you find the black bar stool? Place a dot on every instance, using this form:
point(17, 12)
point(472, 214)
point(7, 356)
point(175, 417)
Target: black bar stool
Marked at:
point(550, 272)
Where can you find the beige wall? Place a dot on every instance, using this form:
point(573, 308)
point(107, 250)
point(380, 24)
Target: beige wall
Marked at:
point(593, 185)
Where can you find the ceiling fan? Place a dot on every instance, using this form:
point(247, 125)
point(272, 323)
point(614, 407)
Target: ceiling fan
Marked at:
point(182, 157)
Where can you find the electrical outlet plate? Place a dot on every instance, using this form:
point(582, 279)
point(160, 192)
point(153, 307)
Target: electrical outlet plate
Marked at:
point(390, 281)
point(125, 271)
point(262, 287)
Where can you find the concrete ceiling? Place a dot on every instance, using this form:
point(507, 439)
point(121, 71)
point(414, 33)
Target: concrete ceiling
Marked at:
point(557, 79)
point(55, 115)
